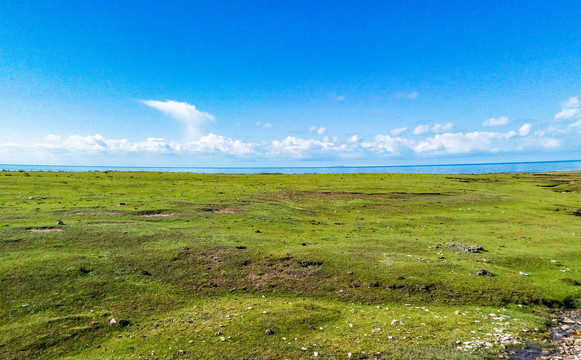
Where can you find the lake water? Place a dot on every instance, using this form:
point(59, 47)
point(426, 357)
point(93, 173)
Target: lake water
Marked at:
point(514, 167)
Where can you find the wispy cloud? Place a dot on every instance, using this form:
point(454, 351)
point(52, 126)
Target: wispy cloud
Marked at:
point(421, 129)
point(191, 117)
point(407, 95)
point(265, 125)
point(569, 108)
point(499, 121)
point(576, 125)
point(436, 128)
point(396, 132)
point(320, 130)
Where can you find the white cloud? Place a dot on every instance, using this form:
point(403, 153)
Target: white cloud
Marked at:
point(297, 147)
point(455, 143)
point(213, 143)
point(463, 143)
point(396, 132)
point(353, 139)
point(319, 130)
point(575, 125)
point(437, 128)
point(524, 130)
point(550, 143)
point(52, 137)
point(410, 96)
point(421, 129)
point(499, 121)
point(386, 143)
point(569, 109)
point(97, 144)
point(184, 112)
point(340, 98)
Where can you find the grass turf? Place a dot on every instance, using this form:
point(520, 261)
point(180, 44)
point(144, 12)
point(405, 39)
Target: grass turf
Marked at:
point(170, 255)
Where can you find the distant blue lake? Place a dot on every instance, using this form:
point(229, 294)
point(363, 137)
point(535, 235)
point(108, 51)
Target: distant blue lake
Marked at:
point(514, 167)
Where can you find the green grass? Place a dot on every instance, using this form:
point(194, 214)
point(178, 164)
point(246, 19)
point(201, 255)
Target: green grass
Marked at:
point(169, 255)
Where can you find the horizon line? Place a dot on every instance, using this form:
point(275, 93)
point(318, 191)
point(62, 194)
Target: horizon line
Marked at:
point(302, 167)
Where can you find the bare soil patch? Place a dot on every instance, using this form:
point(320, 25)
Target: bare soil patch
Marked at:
point(153, 213)
point(218, 210)
point(46, 229)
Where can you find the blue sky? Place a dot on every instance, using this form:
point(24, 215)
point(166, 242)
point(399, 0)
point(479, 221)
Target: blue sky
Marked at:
point(289, 83)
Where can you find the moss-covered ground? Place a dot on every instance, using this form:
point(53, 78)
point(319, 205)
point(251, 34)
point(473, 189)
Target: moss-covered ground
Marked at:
point(282, 266)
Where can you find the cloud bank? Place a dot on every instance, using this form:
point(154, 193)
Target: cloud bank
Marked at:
point(398, 143)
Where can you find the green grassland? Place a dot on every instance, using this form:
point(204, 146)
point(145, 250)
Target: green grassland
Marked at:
point(282, 266)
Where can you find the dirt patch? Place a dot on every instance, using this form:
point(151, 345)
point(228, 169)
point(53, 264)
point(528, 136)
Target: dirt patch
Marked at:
point(153, 213)
point(218, 210)
point(280, 271)
point(310, 263)
point(470, 179)
point(46, 229)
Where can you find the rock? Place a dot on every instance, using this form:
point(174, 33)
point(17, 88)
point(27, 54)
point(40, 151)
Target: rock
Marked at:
point(59, 222)
point(399, 277)
point(469, 249)
point(217, 333)
point(523, 274)
point(567, 320)
point(269, 332)
point(483, 272)
point(145, 272)
point(112, 322)
point(258, 231)
point(376, 330)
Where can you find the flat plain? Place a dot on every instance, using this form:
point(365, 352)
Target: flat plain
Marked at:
point(152, 265)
